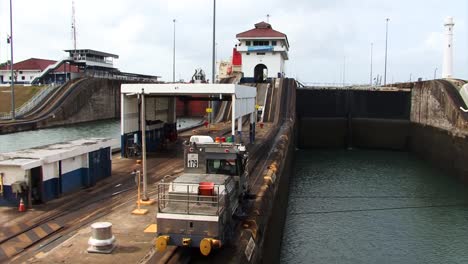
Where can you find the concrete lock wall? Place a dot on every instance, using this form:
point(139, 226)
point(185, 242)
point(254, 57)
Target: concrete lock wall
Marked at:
point(439, 130)
point(260, 239)
point(95, 99)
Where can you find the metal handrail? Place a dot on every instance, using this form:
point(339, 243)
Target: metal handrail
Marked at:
point(31, 103)
point(164, 197)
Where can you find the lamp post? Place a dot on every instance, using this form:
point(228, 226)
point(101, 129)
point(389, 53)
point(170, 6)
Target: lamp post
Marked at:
point(435, 73)
point(213, 63)
point(344, 71)
point(386, 48)
point(371, 51)
point(173, 54)
point(11, 65)
point(214, 43)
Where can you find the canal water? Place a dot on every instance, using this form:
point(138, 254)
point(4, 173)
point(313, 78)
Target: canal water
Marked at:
point(106, 128)
point(364, 206)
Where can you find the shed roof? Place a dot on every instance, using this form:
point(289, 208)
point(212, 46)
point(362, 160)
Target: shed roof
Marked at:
point(178, 89)
point(34, 157)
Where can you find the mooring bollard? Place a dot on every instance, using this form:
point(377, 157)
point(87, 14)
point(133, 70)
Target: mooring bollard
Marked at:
point(101, 240)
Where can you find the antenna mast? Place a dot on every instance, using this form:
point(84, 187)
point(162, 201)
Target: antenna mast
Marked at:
point(73, 26)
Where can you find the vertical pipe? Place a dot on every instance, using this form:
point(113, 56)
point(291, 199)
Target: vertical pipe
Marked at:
point(386, 47)
point(13, 116)
point(239, 129)
point(233, 117)
point(143, 143)
point(252, 127)
point(123, 141)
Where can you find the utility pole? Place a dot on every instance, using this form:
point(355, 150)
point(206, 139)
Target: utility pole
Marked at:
point(435, 73)
point(386, 48)
point(371, 51)
point(13, 116)
point(173, 54)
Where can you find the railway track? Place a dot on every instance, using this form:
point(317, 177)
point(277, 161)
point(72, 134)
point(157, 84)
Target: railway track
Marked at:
point(260, 158)
point(99, 201)
point(19, 242)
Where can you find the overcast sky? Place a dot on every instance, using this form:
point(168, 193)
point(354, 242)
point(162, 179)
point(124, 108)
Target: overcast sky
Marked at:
point(321, 34)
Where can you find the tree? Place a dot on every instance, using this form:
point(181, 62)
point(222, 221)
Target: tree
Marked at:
point(8, 62)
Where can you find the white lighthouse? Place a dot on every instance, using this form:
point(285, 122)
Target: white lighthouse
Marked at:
point(448, 48)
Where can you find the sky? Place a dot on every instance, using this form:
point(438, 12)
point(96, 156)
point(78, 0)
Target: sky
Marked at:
point(326, 37)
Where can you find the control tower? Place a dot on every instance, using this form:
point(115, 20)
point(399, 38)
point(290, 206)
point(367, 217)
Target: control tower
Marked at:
point(264, 52)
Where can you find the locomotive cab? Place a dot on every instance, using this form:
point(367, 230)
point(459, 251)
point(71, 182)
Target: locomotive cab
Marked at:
point(196, 209)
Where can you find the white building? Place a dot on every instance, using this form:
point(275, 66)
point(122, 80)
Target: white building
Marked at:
point(447, 69)
point(264, 52)
point(24, 72)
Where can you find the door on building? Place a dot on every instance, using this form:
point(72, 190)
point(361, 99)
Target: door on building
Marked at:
point(36, 185)
point(99, 166)
point(260, 73)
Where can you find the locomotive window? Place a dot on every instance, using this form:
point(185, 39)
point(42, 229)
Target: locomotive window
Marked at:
point(221, 166)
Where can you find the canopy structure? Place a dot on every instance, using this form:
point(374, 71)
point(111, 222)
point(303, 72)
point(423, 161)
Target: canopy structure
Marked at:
point(243, 97)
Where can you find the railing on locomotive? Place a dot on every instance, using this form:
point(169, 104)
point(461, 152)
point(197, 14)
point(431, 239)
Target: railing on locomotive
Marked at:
point(164, 197)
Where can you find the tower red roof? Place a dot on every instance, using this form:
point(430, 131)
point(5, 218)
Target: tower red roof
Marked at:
point(261, 30)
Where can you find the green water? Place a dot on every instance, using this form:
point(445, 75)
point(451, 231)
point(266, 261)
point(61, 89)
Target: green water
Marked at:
point(40, 137)
point(373, 207)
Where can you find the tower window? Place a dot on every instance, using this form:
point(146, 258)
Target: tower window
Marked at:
point(247, 43)
point(261, 43)
point(273, 42)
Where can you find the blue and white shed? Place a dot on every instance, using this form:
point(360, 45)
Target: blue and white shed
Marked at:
point(44, 173)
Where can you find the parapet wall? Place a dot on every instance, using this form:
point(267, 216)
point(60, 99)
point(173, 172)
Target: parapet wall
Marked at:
point(260, 238)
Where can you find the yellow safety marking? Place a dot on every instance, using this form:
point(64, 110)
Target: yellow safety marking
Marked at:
point(24, 238)
point(40, 232)
point(151, 228)
point(54, 226)
point(40, 254)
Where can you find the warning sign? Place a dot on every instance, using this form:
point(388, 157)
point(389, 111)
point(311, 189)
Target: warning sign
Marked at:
point(249, 249)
